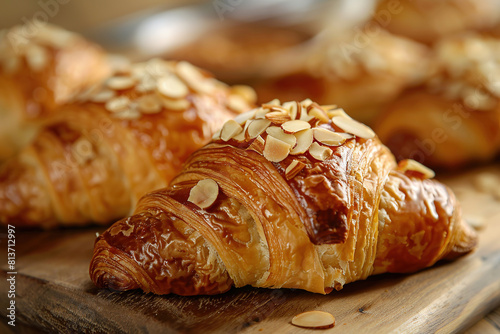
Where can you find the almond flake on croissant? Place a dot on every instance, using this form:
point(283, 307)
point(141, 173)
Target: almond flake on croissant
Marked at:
point(249, 210)
point(120, 140)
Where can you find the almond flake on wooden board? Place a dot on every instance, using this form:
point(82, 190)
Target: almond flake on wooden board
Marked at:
point(314, 319)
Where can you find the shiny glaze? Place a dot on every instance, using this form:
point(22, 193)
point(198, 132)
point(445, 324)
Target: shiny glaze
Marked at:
point(316, 232)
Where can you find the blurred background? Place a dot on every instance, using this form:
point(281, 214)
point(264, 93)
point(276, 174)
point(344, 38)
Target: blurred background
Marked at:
point(398, 65)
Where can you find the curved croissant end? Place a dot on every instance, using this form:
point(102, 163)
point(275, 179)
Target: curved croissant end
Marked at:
point(289, 195)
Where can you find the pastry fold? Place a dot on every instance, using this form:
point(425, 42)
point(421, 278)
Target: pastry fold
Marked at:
point(289, 195)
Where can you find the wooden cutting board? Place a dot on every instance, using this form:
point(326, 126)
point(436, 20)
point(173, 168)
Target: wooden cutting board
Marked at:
point(54, 292)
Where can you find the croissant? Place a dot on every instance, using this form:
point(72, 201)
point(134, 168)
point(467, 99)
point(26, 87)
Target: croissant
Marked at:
point(428, 21)
point(289, 195)
point(99, 155)
point(41, 68)
point(454, 118)
point(362, 72)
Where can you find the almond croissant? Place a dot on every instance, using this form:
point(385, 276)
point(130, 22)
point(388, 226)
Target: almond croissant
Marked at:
point(293, 196)
point(97, 157)
point(41, 68)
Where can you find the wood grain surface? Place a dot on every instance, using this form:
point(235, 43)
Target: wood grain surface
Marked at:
point(54, 292)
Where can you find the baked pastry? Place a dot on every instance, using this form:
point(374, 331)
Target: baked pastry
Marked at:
point(237, 53)
point(129, 136)
point(360, 72)
point(454, 119)
point(428, 21)
point(41, 68)
point(288, 195)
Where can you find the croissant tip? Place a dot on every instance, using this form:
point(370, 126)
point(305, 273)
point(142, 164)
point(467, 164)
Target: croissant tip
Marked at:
point(108, 269)
point(466, 242)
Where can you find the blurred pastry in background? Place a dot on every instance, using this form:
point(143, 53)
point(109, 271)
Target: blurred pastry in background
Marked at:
point(361, 72)
point(454, 118)
point(96, 157)
point(428, 21)
point(41, 68)
point(235, 53)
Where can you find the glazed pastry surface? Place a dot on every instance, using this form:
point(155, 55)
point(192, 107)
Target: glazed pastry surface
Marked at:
point(118, 141)
point(290, 195)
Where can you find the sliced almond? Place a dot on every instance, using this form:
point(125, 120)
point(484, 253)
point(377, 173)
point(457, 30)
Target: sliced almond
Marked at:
point(118, 104)
point(237, 103)
point(304, 116)
point(328, 107)
point(127, 114)
point(416, 166)
point(319, 113)
point(230, 129)
point(314, 319)
point(172, 87)
point(292, 109)
point(261, 113)
point(278, 117)
point(178, 105)
point(194, 78)
point(319, 152)
point(216, 135)
point(336, 112)
point(327, 137)
point(149, 104)
point(121, 82)
point(345, 135)
point(256, 127)
point(293, 169)
point(304, 141)
point(274, 102)
point(306, 103)
point(157, 67)
point(314, 122)
point(244, 117)
point(146, 84)
point(276, 150)
point(240, 137)
point(37, 57)
point(278, 133)
point(102, 96)
point(295, 126)
point(354, 127)
point(204, 193)
point(246, 92)
point(257, 145)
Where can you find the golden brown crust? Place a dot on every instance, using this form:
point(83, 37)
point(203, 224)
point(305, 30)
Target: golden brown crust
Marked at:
point(428, 21)
point(454, 119)
point(42, 67)
point(361, 72)
point(123, 139)
point(339, 219)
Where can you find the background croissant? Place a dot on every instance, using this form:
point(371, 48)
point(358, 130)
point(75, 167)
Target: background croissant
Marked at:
point(453, 119)
point(96, 157)
point(287, 195)
point(41, 68)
